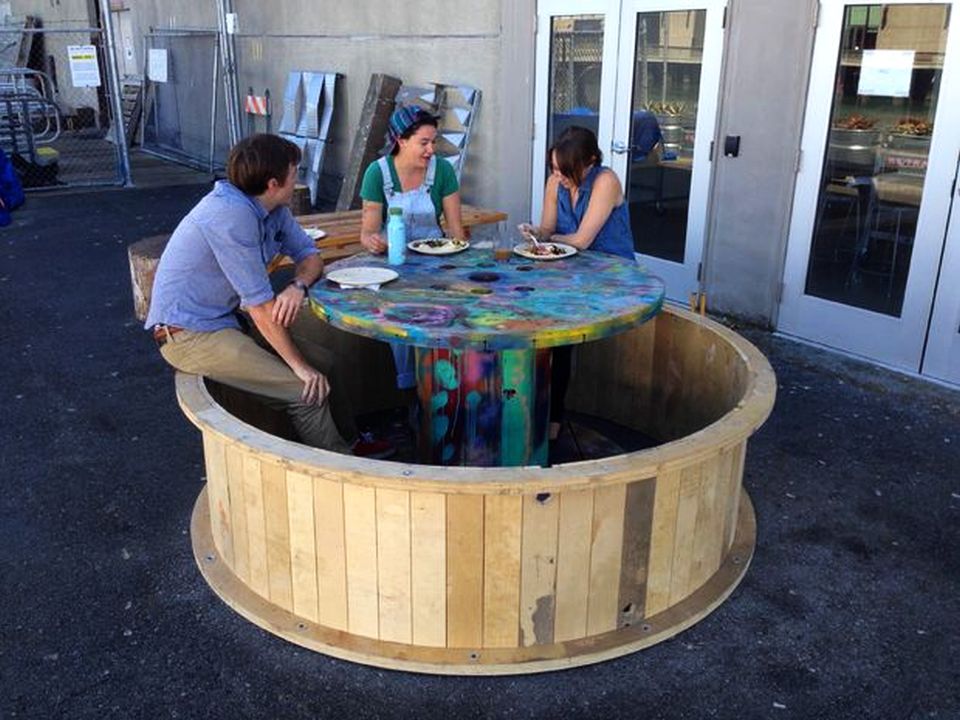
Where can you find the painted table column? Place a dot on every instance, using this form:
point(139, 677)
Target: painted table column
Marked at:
point(483, 408)
point(482, 331)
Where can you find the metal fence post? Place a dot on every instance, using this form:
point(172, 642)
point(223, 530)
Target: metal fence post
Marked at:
point(113, 80)
point(228, 53)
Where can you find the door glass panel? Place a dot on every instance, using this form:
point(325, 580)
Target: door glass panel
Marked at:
point(663, 125)
point(576, 62)
point(885, 97)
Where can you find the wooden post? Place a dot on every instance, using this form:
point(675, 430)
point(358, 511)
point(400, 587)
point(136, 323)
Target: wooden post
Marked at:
point(300, 205)
point(368, 142)
point(144, 257)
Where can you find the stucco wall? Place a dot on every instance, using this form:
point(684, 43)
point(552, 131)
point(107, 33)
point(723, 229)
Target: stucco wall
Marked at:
point(767, 60)
point(450, 41)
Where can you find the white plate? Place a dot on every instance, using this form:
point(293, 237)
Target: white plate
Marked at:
point(524, 250)
point(438, 246)
point(361, 276)
point(315, 233)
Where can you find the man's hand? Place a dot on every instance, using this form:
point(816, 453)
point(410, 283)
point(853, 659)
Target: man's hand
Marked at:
point(287, 305)
point(316, 387)
point(373, 243)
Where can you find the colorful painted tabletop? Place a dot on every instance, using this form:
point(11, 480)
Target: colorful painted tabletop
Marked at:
point(469, 300)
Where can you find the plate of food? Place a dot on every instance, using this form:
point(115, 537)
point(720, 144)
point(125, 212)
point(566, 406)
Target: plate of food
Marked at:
point(315, 233)
point(371, 277)
point(438, 246)
point(545, 250)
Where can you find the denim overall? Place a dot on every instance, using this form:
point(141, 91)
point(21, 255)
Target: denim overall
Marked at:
point(420, 219)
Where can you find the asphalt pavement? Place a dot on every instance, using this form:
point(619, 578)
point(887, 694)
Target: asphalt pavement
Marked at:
point(849, 610)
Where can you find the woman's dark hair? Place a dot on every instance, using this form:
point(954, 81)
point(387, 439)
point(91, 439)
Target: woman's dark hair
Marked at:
point(574, 151)
point(257, 159)
point(422, 118)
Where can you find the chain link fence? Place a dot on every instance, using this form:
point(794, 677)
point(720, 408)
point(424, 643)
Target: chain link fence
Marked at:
point(56, 107)
point(184, 119)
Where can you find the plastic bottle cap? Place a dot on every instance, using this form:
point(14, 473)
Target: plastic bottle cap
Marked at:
point(395, 211)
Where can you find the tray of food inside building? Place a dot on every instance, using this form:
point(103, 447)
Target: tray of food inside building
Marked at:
point(907, 147)
point(854, 143)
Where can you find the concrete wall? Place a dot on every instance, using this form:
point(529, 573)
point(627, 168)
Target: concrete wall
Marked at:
point(767, 62)
point(487, 45)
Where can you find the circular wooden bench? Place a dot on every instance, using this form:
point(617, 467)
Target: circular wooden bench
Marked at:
point(496, 570)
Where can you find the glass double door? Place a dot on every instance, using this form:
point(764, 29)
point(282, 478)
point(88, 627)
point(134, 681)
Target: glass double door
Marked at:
point(644, 76)
point(874, 243)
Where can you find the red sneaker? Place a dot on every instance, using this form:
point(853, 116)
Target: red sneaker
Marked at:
point(367, 446)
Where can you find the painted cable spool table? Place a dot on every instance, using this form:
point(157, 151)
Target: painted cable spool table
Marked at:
point(494, 570)
point(482, 331)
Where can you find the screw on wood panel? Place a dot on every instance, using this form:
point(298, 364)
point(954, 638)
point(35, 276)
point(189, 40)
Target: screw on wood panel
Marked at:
point(210, 558)
point(301, 626)
point(407, 473)
point(737, 560)
point(646, 628)
point(474, 656)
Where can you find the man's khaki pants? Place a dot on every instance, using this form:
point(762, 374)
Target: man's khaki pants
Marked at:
point(234, 358)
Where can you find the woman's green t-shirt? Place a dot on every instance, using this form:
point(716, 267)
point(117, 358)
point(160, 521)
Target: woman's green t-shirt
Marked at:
point(444, 183)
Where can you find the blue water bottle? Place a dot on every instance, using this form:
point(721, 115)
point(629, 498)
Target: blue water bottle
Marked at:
point(396, 237)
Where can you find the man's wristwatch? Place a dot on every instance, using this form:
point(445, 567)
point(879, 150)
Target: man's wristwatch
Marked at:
point(301, 285)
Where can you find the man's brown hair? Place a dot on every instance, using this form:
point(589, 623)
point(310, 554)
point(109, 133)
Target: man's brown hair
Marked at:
point(257, 159)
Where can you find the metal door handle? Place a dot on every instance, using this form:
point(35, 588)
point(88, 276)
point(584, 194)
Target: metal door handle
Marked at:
point(619, 147)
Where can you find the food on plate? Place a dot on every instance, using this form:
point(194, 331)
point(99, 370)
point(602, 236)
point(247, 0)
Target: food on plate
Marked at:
point(436, 243)
point(545, 249)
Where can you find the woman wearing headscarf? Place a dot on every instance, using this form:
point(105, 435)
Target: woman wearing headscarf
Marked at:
point(410, 176)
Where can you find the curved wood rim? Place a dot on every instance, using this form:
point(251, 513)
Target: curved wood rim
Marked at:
point(469, 661)
point(730, 430)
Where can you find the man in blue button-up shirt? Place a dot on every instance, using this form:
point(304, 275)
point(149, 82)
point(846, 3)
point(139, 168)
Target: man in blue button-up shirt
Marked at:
point(216, 262)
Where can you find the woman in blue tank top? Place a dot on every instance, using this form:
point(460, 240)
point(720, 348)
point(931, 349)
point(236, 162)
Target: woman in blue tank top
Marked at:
point(583, 206)
point(583, 203)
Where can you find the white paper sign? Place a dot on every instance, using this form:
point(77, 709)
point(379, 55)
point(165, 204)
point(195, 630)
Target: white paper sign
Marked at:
point(886, 72)
point(84, 71)
point(157, 65)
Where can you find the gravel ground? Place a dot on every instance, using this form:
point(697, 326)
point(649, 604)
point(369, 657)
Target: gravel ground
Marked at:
point(849, 609)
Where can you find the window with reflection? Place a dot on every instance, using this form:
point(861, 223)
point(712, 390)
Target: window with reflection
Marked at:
point(576, 62)
point(666, 88)
point(885, 95)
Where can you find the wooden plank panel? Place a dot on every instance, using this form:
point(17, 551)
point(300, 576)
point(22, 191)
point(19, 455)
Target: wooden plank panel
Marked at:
point(538, 572)
point(464, 571)
point(736, 487)
point(218, 496)
point(428, 549)
point(278, 534)
point(238, 513)
point(635, 552)
point(360, 531)
point(662, 543)
point(707, 541)
point(606, 552)
point(393, 565)
point(683, 542)
point(256, 526)
point(502, 518)
point(303, 546)
point(331, 553)
point(573, 564)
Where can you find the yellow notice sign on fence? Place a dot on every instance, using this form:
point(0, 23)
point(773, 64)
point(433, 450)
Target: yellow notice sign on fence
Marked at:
point(84, 70)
